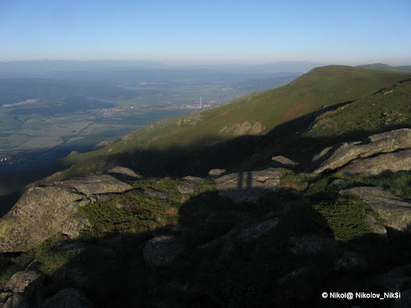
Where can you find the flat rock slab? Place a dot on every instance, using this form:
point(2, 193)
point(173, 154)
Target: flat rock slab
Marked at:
point(283, 162)
point(395, 211)
point(96, 184)
point(392, 162)
point(338, 156)
point(124, 173)
point(248, 186)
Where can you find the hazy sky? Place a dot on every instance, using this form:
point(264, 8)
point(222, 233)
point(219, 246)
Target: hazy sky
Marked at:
point(341, 31)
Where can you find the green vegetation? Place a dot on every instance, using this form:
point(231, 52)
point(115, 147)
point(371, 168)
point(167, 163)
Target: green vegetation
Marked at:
point(398, 183)
point(346, 217)
point(386, 109)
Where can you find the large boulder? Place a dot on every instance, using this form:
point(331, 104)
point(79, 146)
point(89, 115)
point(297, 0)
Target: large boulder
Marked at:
point(26, 282)
point(392, 162)
point(395, 211)
point(43, 211)
point(249, 186)
point(340, 155)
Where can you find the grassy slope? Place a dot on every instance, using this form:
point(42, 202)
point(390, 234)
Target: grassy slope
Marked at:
point(321, 87)
point(385, 109)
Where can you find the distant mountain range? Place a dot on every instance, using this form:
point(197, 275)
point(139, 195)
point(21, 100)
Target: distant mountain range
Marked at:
point(386, 67)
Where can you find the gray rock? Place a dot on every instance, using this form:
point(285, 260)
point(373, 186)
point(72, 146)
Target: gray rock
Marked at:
point(248, 186)
point(156, 194)
point(162, 250)
point(395, 211)
point(342, 154)
point(67, 298)
point(4, 296)
point(351, 261)
point(393, 162)
point(216, 172)
point(188, 185)
point(311, 245)
point(257, 230)
point(95, 184)
point(124, 173)
point(26, 282)
point(336, 183)
point(17, 301)
point(283, 162)
point(44, 211)
point(375, 226)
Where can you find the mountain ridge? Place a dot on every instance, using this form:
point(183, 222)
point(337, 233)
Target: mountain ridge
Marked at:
point(252, 115)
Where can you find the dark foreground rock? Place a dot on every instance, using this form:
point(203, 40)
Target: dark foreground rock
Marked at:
point(162, 250)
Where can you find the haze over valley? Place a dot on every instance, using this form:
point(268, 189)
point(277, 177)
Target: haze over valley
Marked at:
point(46, 117)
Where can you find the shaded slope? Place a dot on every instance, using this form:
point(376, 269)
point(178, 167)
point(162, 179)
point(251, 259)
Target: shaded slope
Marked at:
point(255, 114)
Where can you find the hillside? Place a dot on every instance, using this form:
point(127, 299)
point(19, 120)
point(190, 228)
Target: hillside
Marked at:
point(262, 231)
point(241, 123)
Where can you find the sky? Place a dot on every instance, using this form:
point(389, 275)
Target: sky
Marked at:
point(199, 31)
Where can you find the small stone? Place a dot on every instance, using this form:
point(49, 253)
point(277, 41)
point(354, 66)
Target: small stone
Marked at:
point(216, 172)
point(283, 162)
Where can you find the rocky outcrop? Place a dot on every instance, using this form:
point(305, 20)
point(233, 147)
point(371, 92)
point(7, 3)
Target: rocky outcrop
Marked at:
point(248, 186)
point(162, 250)
point(393, 162)
point(340, 155)
point(43, 211)
point(396, 212)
